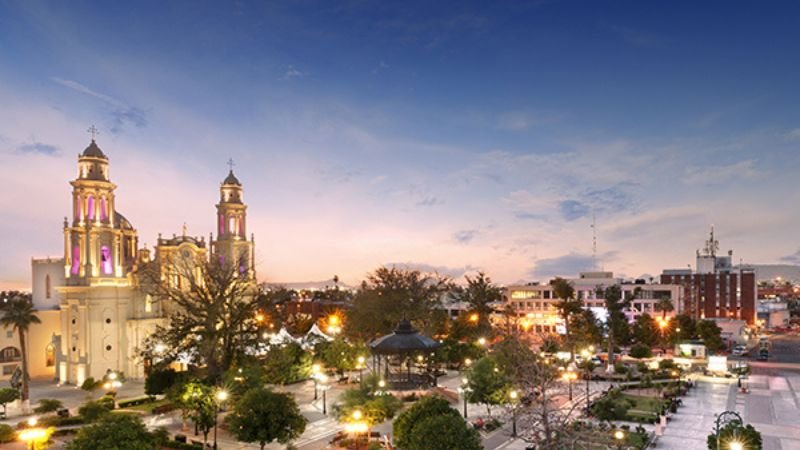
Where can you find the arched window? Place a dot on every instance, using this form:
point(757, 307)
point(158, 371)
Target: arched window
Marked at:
point(76, 260)
point(231, 224)
point(10, 354)
point(47, 286)
point(90, 207)
point(49, 356)
point(103, 209)
point(105, 260)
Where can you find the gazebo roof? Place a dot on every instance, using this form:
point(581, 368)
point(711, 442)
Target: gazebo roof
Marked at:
point(405, 339)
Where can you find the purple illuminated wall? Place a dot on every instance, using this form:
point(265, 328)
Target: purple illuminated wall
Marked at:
point(221, 224)
point(103, 209)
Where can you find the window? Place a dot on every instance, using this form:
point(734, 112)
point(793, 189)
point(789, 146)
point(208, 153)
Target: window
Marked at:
point(76, 260)
point(90, 207)
point(105, 260)
point(10, 354)
point(50, 356)
point(108, 348)
point(108, 320)
point(47, 286)
point(9, 369)
point(231, 224)
point(103, 209)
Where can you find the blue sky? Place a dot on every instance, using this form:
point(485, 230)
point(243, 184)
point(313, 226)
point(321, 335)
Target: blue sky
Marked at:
point(446, 135)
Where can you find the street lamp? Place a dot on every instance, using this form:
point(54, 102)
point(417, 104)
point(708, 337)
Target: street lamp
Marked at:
point(513, 396)
point(357, 426)
point(619, 436)
point(315, 371)
point(586, 354)
point(221, 396)
point(31, 436)
point(323, 386)
point(464, 390)
point(482, 341)
point(736, 445)
point(568, 376)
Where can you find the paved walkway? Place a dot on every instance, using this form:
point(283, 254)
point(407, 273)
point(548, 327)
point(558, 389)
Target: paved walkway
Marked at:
point(771, 406)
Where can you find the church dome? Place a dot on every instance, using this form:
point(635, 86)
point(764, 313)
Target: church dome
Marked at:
point(93, 151)
point(231, 179)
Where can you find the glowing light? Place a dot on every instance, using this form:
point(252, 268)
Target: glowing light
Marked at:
point(160, 348)
point(482, 341)
point(32, 435)
point(112, 376)
point(33, 421)
point(513, 395)
point(467, 362)
point(316, 368)
point(419, 358)
point(357, 414)
point(381, 384)
point(473, 317)
point(619, 435)
point(259, 317)
point(222, 395)
point(333, 320)
point(736, 445)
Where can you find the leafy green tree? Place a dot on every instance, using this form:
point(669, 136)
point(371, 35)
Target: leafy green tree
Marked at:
point(212, 315)
point(200, 399)
point(617, 324)
point(114, 431)
point(264, 416)
point(376, 408)
point(710, 333)
point(645, 331)
point(480, 293)
point(431, 406)
point(340, 354)
point(286, 364)
point(249, 376)
point(487, 383)
point(610, 407)
point(159, 380)
point(19, 314)
point(8, 395)
point(90, 385)
point(390, 294)
point(747, 435)
point(444, 432)
point(567, 306)
point(640, 351)
point(94, 409)
point(7, 434)
point(684, 327)
point(585, 329)
point(47, 405)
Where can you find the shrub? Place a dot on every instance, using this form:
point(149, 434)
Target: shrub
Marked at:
point(620, 368)
point(135, 401)
point(158, 381)
point(7, 433)
point(165, 408)
point(94, 410)
point(47, 405)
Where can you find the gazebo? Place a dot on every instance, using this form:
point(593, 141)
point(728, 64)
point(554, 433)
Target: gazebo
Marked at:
point(404, 342)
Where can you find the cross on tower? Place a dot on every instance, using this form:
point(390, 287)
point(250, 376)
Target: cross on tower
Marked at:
point(231, 164)
point(93, 131)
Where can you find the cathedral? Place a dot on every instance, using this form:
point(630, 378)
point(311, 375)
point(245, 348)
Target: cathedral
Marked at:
point(104, 312)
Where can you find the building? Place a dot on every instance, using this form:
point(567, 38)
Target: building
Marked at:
point(535, 304)
point(105, 312)
point(716, 289)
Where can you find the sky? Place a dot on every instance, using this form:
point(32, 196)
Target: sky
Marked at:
point(448, 136)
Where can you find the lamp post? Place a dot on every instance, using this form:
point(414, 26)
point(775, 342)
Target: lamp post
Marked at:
point(31, 436)
point(357, 426)
point(315, 371)
point(723, 419)
point(619, 437)
point(323, 381)
point(513, 396)
point(220, 396)
point(464, 390)
point(568, 376)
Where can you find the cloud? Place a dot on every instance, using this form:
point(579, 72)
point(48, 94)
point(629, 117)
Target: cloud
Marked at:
point(794, 258)
point(121, 113)
point(793, 135)
point(452, 272)
point(518, 121)
point(39, 149)
point(567, 265)
point(292, 72)
point(573, 210)
point(524, 215)
point(742, 170)
point(465, 236)
point(430, 201)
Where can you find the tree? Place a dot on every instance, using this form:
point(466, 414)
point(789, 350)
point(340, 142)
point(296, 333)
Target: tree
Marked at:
point(710, 333)
point(200, 401)
point(8, 395)
point(117, 431)
point(264, 416)
point(480, 293)
point(340, 354)
point(640, 351)
point(19, 315)
point(47, 405)
point(389, 295)
point(567, 306)
point(212, 313)
point(443, 432)
point(734, 431)
point(159, 380)
point(427, 407)
point(90, 385)
point(94, 409)
point(487, 383)
point(286, 364)
point(375, 407)
point(617, 324)
point(684, 327)
point(664, 305)
point(585, 329)
point(645, 331)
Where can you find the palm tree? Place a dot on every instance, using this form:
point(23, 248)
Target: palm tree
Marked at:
point(19, 315)
point(664, 304)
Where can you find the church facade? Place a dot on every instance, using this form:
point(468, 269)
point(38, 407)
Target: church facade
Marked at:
point(105, 312)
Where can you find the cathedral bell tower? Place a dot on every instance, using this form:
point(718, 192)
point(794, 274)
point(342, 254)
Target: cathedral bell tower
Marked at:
point(99, 243)
point(232, 246)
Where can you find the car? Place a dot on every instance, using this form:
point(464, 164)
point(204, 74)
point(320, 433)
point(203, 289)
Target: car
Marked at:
point(763, 355)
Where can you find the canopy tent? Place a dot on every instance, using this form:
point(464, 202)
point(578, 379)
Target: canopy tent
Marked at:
point(314, 336)
point(282, 337)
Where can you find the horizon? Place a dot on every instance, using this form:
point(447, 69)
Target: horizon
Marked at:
point(453, 137)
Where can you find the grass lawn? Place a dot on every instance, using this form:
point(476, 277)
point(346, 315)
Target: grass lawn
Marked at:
point(644, 407)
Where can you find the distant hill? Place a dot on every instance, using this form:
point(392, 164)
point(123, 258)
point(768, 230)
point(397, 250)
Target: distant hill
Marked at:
point(769, 272)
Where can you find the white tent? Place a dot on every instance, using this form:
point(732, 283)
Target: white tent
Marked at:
point(316, 335)
point(282, 337)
